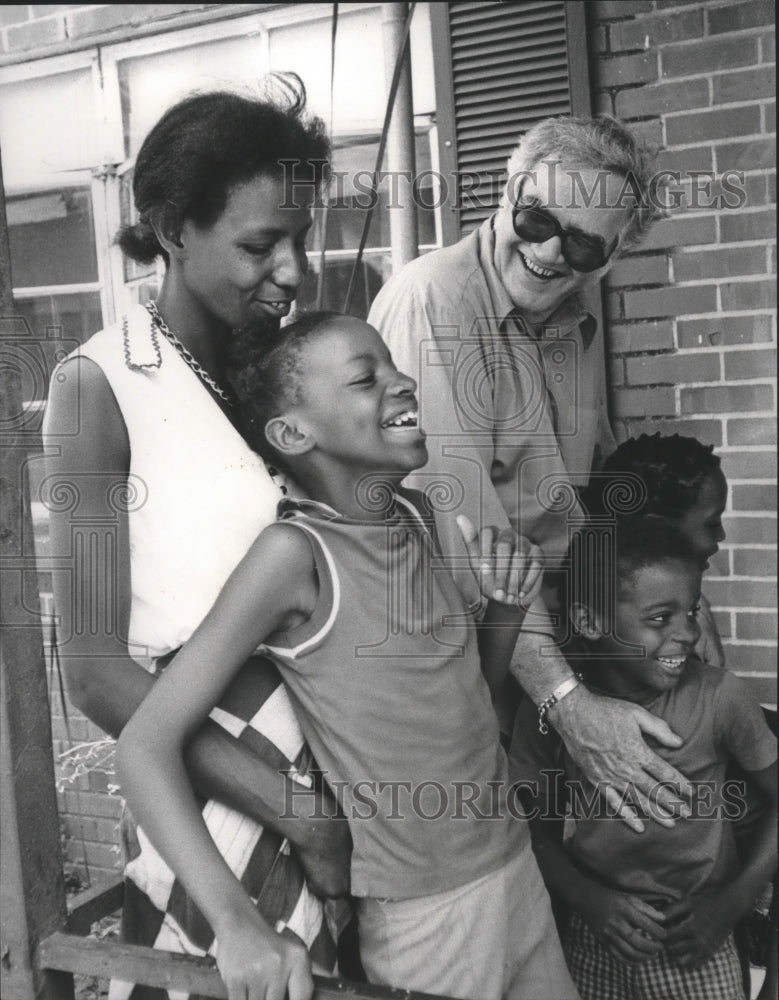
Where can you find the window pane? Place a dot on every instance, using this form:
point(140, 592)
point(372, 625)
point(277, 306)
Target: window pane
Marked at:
point(371, 275)
point(52, 238)
point(350, 196)
point(61, 322)
point(47, 126)
point(151, 84)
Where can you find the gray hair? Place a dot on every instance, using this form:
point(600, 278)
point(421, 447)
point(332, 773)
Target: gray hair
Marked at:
point(600, 143)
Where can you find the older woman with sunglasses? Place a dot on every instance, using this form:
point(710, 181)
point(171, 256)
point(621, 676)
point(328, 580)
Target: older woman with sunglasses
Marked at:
point(512, 394)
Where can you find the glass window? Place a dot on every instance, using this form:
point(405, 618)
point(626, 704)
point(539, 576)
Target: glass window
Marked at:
point(150, 84)
point(52, 237)
point(48, 126)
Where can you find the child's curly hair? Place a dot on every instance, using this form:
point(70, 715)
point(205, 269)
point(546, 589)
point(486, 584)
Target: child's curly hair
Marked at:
point(671, 468)
point(264, 371)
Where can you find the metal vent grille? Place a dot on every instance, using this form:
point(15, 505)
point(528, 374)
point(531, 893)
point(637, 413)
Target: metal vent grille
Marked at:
point(509, 70)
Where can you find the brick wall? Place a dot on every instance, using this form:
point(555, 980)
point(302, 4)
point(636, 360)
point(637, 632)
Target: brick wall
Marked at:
point(45, 29)
point(691, 322)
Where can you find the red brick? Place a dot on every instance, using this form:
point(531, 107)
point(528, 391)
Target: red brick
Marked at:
point(756, 625)
point(769, 117)
point(768, 47)
point(103, 856)
point(602, 104)
point(755, 431)
point(697, 158)
point(35, 34)
point(719, 263)
point(727, 399)
point(758, 530)
point(751, 658)
point(723, 623)
point(645, 270)
point(754, 562)
point(707, 431)
point(757, 225)
point(13, 13)
point(754, 154)
point(670, 301)
point(649, 32)
point(749, 464)
point(752, 496)
point(640, 102)
point(621, 70)
point(656, 335)
point(708, 55)
point(650, 132)
point(722, 123)
point(746, 85)
point(612, 305)
point(644, 402)
point(673, 369)
point(741, 593)
point(681, 231)
point(748, 295)
point(606, 10)
point(724, 331)
point(93, 804)
point(105, 17)
point(750, 364)
point(736, 17)
point(758, 189)
point(763, 688)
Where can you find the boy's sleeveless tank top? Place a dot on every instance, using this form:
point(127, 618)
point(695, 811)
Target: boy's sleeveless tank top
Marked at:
point(386, 681)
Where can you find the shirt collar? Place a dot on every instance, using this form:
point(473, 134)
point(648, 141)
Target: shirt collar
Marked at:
point(570, 314)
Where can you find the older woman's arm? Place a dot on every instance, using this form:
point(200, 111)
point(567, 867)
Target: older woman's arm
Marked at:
point(87, 468)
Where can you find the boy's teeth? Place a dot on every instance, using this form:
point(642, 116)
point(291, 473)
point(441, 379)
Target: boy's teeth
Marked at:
point(676, 661)
point(404, 420)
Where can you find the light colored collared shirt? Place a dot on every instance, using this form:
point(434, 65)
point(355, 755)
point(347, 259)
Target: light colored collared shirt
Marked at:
point(514, 416)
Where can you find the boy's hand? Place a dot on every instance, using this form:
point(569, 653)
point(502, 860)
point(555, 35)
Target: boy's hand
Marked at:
point(697, 926)
point(258, 964)
point(631, 929)
point(508, 567)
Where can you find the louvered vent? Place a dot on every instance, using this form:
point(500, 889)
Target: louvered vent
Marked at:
point(509, 69)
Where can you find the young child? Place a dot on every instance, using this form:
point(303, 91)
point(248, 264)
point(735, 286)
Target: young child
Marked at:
point(679, 479)
point(650, 915)
point(377, 647)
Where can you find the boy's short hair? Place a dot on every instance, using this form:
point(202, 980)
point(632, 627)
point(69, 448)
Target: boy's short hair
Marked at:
point(667, 472)
point(264, 371)
point(603, 558)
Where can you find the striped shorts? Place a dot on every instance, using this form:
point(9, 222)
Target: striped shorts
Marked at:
point(600, 976)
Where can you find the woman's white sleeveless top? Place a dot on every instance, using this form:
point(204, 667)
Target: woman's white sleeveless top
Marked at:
point(198, 496)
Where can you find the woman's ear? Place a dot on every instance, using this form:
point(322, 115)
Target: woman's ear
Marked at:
point(585, 623)
point(167, 228)
point(288, 435)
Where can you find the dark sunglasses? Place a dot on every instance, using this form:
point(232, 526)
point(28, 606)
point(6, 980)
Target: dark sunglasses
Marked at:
point(581, 251)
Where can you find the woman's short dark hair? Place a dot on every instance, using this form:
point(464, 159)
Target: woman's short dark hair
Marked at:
point(209, 142)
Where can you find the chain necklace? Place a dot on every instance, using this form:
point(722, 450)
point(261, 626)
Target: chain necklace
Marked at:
point(158, 323)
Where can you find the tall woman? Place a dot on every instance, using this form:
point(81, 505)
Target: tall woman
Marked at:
point(155, 497)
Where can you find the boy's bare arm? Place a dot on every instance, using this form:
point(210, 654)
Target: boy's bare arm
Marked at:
point(273, 587)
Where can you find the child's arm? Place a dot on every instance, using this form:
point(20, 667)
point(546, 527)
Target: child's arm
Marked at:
point(629, 927)
point(274, 587)
point(701, 922)
point(510, 572)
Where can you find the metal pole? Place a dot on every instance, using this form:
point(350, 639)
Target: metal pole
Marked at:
point(401, 161)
